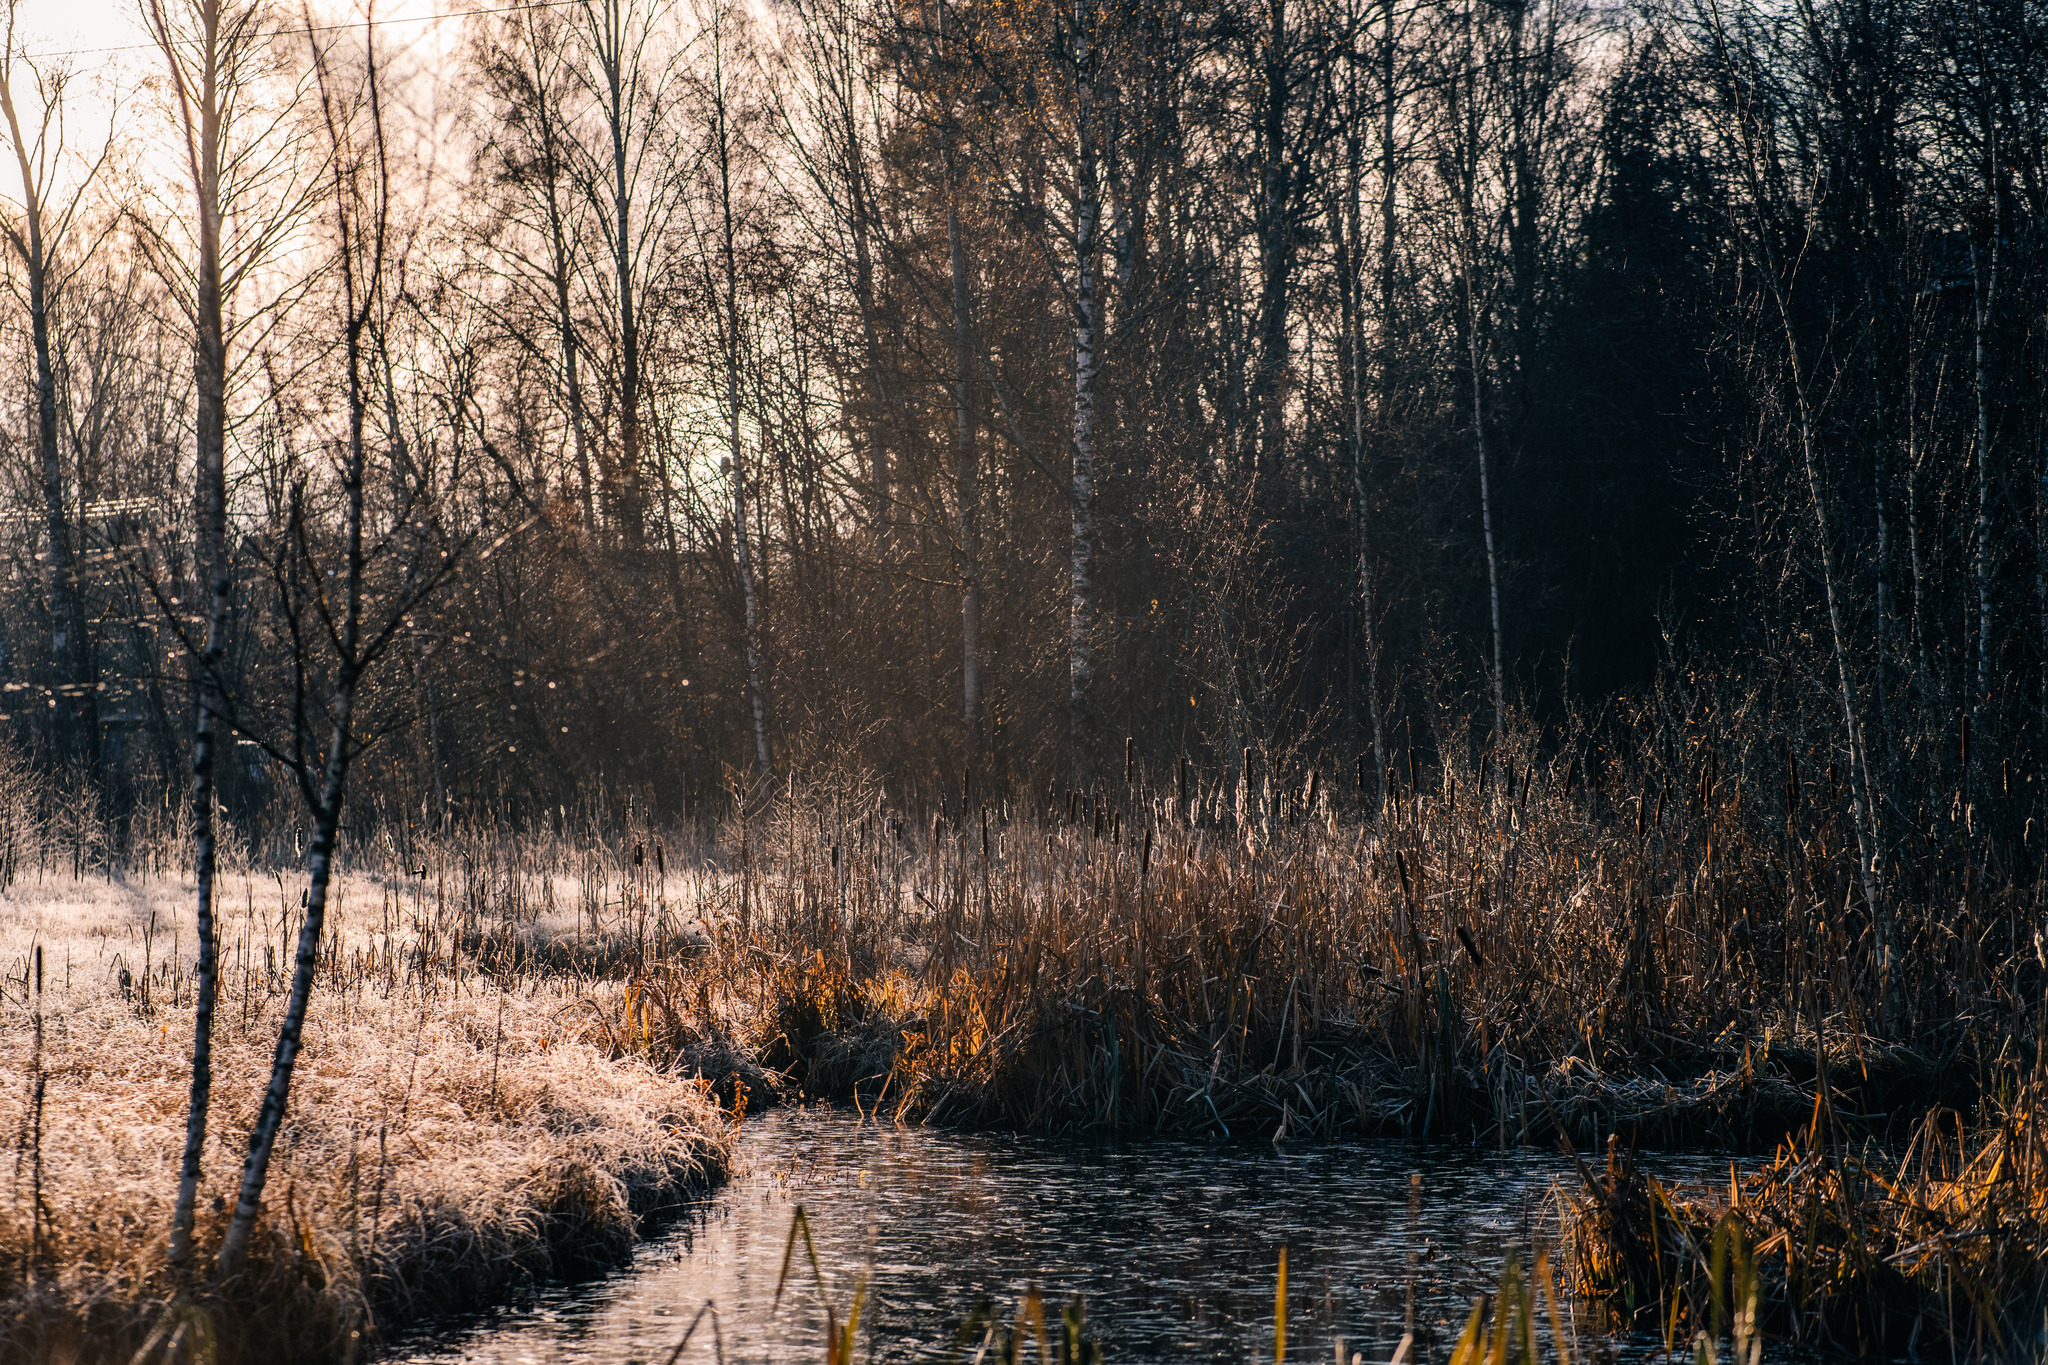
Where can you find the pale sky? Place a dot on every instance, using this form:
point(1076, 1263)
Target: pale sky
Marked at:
point(108, 50)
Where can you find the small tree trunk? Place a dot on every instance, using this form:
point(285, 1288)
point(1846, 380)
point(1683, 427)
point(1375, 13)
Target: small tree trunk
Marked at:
point(880, 492)
point(210, 366)
point(1476, 354)
point(234, 1249)
point(1880, 497)
point(1350, 236)
point(966, 467)
point(1984, 275)
point(78, 710)
point(967, 486)
point(2041, 577)
point(1500, 709)
point(1087, 320)
point(742, 551)
point(1917, 557)
point(572, 380)
point(77, 713)
point(751, 605)
point(1467, 153)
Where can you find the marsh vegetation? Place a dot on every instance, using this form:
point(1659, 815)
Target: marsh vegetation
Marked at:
point(1468, 572)
point(528, 1040)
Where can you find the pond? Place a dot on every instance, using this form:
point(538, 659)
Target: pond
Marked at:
point(1174, 1247)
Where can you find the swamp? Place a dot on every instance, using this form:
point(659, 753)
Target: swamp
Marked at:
point(1000, 680)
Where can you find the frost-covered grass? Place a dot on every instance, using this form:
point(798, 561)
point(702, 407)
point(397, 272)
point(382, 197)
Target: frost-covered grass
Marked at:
point(456, 1126)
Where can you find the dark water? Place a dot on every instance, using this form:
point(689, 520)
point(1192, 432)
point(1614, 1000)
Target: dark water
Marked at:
point(1174, 1247)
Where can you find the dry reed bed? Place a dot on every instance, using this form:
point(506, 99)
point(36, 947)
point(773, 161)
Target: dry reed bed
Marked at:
point(1836, 1245)
point(1665, 938)
point(458, 1127)
point(1589, 942)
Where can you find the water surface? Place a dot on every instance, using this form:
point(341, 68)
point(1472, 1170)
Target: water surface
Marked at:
point(1173, 1246)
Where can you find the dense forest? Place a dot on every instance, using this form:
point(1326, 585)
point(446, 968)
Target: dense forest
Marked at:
point(682, 399)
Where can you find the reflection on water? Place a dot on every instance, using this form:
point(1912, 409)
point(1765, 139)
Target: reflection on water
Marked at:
point(1173, 1245)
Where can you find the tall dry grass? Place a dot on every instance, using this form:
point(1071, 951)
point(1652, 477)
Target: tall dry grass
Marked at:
point(1837, 1244)
point(1665, 940)
point(1658, 932)
point(461, 1123)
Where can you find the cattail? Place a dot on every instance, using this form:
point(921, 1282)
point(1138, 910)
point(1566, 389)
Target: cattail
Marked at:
point(1465, 937)
point(1145, 858)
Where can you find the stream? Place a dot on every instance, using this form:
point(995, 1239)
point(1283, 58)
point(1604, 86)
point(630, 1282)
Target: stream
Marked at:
point(1173, 1246)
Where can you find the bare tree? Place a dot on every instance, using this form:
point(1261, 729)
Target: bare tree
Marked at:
point(345, 592)
point(1462, 167)
point(630, 173)
point(966, 470)
point(1748, 130)
point(525, 66)
point(42, 242)
point(725, 107)
point(248, 191)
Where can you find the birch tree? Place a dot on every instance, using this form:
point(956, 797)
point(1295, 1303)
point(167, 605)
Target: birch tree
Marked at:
point(231, 111)
point(725, 108)
point(540, 242)
point(345, 591)
point(42, 237)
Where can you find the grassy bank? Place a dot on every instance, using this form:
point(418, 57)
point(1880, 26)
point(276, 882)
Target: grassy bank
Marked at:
point(457, 1129)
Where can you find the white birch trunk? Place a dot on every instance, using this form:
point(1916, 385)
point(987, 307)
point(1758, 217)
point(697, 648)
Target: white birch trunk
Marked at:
point(1361, 498)
point(1500, 710)
point(201, 103)
point(742, 550)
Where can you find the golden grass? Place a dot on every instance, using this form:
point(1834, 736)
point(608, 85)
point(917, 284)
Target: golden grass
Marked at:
point(455, 1131)
point(1499, 957)
point(1837, 1245)
point(1665, 940)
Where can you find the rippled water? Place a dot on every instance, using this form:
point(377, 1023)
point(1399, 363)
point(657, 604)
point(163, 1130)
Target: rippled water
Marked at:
point(1173, 1246)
